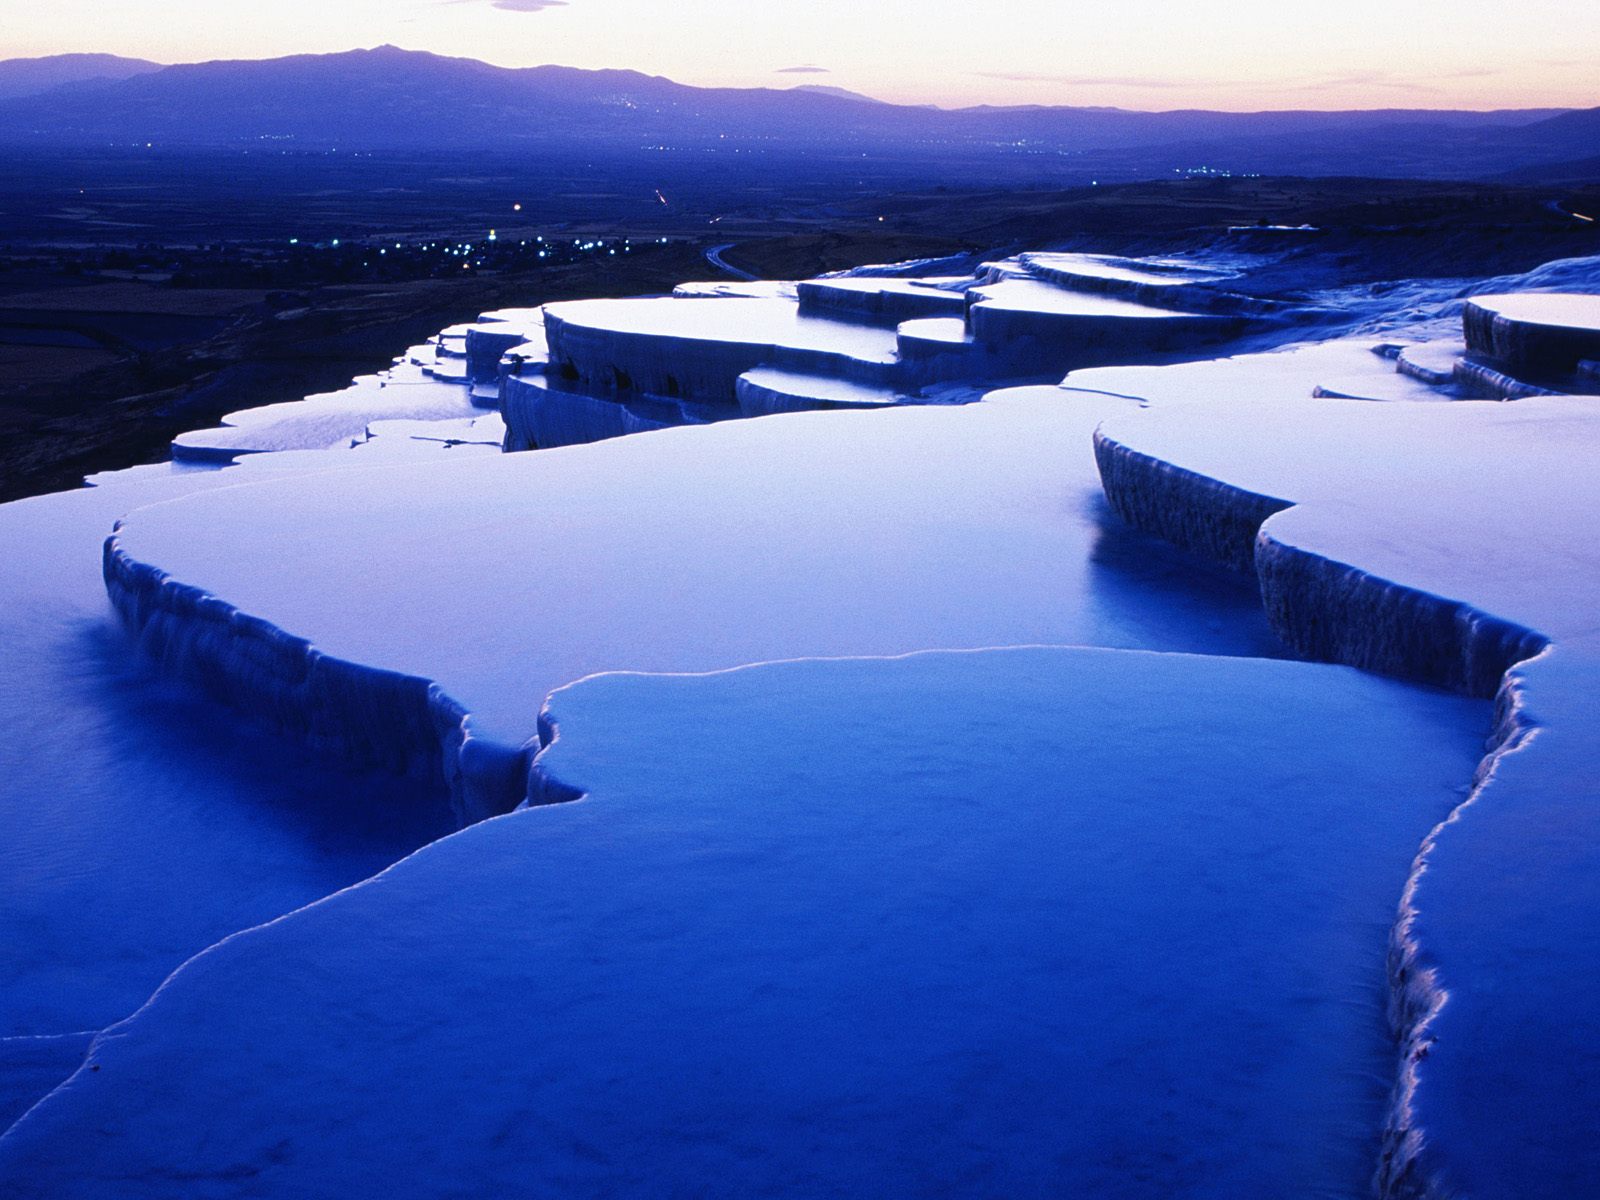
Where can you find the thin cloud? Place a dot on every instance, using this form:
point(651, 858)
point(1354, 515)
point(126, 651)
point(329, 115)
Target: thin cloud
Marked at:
point(802, 71)
point(1364, 79)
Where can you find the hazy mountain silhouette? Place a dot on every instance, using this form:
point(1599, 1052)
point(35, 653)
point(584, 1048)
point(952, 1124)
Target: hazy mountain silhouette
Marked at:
point(1580, 128)
point(31, 76)
point(1548, 147)
point(824, 89)
point(389, 98)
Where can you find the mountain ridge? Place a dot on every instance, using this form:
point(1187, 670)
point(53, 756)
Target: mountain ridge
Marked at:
point(390, 98)
point(22, 77)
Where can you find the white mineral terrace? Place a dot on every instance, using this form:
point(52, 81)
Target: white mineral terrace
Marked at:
point(1432, 362)
point(322, 421)
point(934, 331)
point(769, 389)
point(1032, 295)
point(1383, 542)
point(868, 284)
point(881, 801)
point(737, 320)
point(885, 299)
point(838, 927)
point(1153, 272)
point(666, 551)
point(1353, 365)
point(1557, 311)
point(1538, 339)
point(1421, 469)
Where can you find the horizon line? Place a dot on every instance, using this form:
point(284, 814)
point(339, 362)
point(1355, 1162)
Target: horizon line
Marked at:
point(812, 87)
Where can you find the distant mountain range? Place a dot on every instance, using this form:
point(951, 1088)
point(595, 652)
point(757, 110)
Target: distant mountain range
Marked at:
point(391, 99)
point(823, 89)
point(32, 76)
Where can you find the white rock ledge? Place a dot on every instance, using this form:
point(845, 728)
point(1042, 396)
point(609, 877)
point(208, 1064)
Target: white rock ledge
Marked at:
point(1380, 547)
point(374, 717)
point(1535, 334)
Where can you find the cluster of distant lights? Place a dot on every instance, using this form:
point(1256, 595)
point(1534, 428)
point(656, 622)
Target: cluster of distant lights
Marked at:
point(466, 250)
point(268, 137)
point(1216, 173)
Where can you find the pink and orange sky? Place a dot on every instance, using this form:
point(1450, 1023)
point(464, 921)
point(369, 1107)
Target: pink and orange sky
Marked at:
point(1147, 54)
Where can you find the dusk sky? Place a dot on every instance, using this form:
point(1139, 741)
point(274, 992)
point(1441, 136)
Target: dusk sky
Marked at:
point(1148, 54)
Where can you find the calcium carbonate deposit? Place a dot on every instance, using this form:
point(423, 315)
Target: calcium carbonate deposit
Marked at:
point(1086, 727)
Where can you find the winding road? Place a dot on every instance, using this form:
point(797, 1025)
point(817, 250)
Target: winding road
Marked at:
point(714, 257)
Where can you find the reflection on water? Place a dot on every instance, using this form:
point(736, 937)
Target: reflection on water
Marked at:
point(1164, 599)
point(141, 823)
